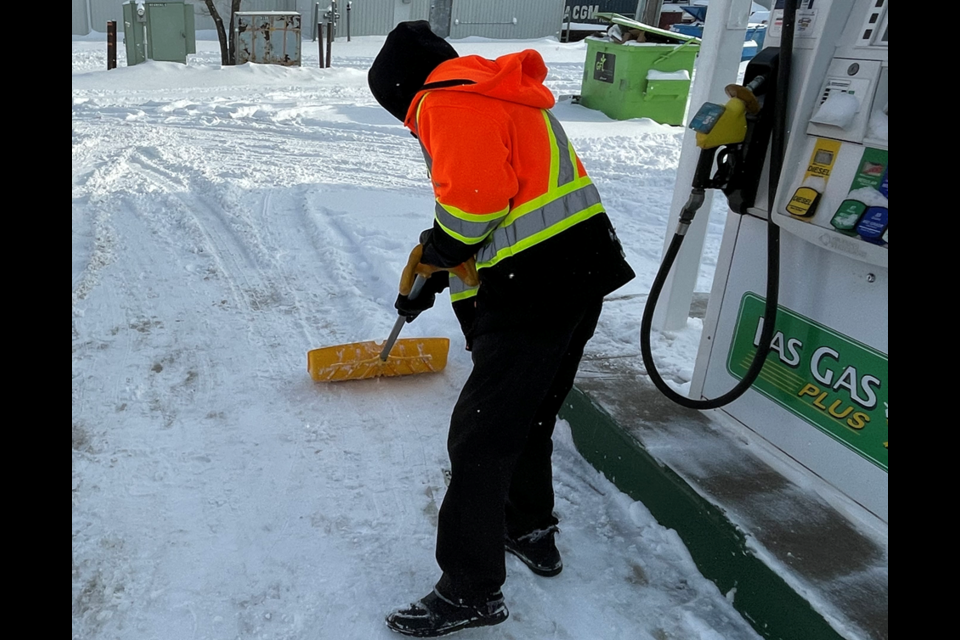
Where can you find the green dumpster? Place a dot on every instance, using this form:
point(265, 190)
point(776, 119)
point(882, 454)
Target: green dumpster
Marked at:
point(639, 79)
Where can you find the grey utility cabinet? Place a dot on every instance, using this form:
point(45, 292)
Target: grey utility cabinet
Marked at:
point(268, 37)
point(158, 30)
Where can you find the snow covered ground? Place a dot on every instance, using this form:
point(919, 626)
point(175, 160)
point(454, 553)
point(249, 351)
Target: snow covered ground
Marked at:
point(224, 222)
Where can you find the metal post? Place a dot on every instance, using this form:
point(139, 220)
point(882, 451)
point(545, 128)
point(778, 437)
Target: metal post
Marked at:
point(650, 14)
point(717, 66)
point(349, 5)
point(329, 42)
point(316, 22)
point(320, 31)
point(111, 44)
point(334, 20)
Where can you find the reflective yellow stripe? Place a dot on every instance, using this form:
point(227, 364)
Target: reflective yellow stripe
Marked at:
point(536, 238)
point(554, 151)
point(569, 199)
point(468, 228)
point(420, 106)
point(573, 159)
point(459, 290)
point(545, 199)
point(473, 217)
point(562, 150)
point(469, 292)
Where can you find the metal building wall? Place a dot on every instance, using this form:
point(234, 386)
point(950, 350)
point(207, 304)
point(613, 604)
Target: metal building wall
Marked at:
point(420, 10)
point(202, 19)
point(81, 26)
point(507, 19)
point(103, 11)
point(535, 18)
point(100, 12)
point(377, 17)
point(268, 5)
point(487, 18)
point(367, 17)
point(204, 22)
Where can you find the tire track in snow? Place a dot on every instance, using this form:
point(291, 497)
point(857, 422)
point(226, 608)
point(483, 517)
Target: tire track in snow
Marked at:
point(235, 247)
point(94, 215)
point(348, 277)
point(247, 132)
point(239, 230)
point(310, 157)
point(181, 215)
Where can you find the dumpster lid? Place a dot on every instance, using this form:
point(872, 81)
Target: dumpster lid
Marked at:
point(624, 21)
point(699, 12)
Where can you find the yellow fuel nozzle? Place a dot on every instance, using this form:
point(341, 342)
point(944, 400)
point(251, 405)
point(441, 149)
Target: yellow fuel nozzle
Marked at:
point(718, 125)
point(745, 94)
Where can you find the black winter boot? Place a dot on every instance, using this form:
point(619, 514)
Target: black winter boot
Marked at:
point(537, 550)
point(434, 615)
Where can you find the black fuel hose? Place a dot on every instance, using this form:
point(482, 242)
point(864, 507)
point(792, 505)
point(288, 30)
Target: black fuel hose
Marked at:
point(777, 149)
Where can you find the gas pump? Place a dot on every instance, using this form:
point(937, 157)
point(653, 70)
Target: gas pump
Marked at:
point(734, 137)
point(794, 344)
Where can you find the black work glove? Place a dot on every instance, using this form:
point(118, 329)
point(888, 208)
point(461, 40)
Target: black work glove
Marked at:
point(425, 299)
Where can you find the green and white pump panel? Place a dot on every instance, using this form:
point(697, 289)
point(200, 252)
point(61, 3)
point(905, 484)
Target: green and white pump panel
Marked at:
point(822, 396)
point(156, 30)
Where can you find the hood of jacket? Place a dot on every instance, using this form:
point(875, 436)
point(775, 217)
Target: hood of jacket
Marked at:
point(409, 54)
point(515, 77)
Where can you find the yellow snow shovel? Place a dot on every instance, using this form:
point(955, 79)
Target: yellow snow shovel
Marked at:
point(394, 357)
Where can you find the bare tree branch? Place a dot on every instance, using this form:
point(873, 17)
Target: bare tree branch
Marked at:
point(225, 58)
point(234, 7)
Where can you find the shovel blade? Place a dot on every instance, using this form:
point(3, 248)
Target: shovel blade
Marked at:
point(361, 360)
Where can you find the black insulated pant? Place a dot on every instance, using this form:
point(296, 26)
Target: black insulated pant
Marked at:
point(500, 444)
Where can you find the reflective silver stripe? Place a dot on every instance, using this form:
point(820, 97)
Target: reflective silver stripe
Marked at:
point(459, 290)
point(522, 229)
point(538, 221)
point(426, 157)
point(566, 173)
point(468, 231)
point(466, 227)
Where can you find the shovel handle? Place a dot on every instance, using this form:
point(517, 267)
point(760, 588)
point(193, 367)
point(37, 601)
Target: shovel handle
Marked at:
point(388, 345)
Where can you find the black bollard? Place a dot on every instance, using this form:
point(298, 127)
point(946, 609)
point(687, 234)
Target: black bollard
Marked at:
point(320, 33)
point(111, 45)
point(329, 42)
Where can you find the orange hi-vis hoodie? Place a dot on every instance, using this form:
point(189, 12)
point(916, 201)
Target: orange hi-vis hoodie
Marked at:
point(508, 185)
point(504, 175)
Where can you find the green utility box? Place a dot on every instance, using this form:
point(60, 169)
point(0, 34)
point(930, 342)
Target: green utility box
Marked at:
point(154, 30)
point(639, 79)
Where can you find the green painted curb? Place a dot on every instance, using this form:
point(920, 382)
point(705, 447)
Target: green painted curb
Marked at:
point(717, 546)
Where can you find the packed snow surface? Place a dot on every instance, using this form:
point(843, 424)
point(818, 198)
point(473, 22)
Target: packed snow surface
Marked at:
point(225, 221)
